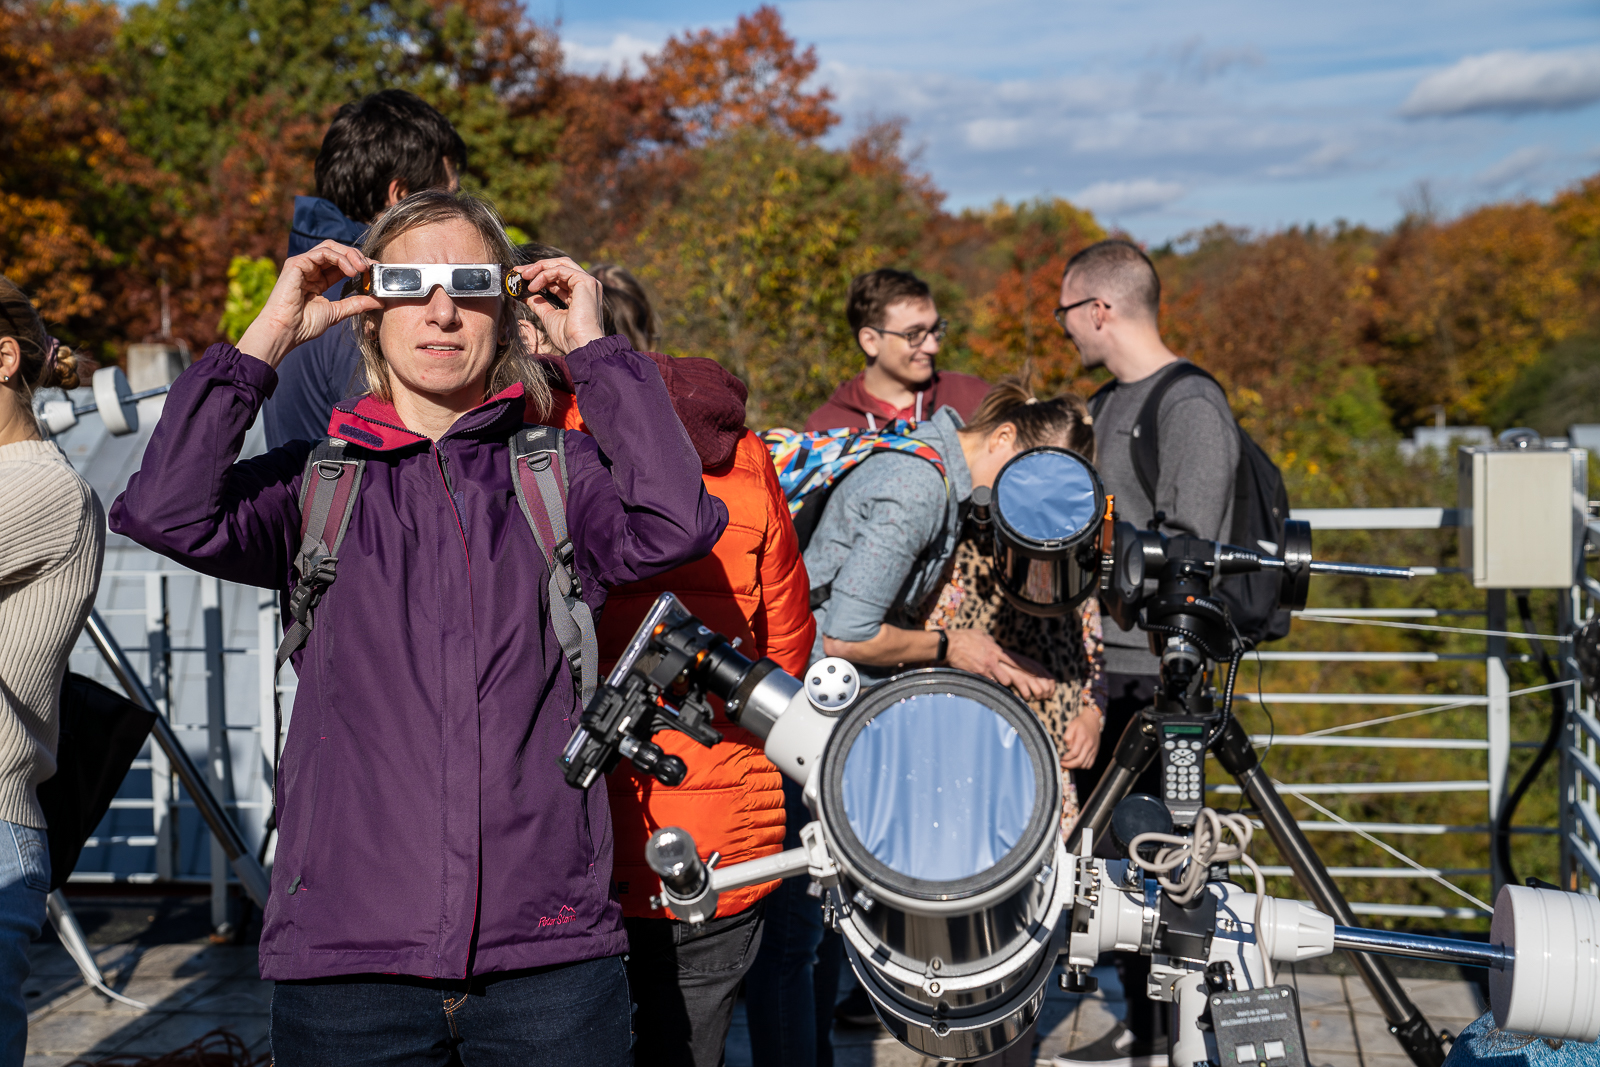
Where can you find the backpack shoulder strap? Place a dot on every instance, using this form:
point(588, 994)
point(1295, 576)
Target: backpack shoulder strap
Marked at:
point(327, 500)
point(539, 474)
point(1098, 398)
point(1147, 427)
point(328, 488)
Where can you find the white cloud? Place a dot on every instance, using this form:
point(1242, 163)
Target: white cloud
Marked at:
point(1264, 115)
point(1128, 197)
point(1514, 167)
point(1511, 82)
point(988, 134)
point(1319, 161)
point(624, 49)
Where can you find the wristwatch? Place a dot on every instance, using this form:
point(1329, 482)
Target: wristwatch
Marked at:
point(944, 646)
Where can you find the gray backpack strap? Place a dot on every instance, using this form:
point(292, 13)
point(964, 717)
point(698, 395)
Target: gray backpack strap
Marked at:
point(539, 473)
point(327, 500)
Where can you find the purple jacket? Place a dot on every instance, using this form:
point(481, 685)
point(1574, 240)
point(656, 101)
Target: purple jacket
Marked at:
point(424, 826)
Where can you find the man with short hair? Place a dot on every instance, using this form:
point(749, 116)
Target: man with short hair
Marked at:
point(378, 150)
point(897, 325)
point(1110, 302)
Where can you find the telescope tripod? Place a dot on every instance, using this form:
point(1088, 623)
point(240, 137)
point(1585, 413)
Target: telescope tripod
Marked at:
point(1141, 743)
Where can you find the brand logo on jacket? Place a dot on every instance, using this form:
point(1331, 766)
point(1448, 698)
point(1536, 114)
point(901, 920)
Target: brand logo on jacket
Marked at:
point(565, 914)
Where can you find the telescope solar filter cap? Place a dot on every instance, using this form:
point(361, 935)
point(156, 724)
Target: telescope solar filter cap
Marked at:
point(832, 684)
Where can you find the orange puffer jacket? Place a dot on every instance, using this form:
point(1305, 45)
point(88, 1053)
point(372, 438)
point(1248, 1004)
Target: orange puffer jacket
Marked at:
point(753, 586)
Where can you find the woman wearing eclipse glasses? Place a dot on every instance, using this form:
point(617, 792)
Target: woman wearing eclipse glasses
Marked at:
point(438, 889)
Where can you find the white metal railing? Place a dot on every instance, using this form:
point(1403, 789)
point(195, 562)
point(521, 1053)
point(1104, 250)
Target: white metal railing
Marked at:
point(1494, 740)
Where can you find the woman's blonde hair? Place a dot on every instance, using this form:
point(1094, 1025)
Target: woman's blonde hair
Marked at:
point(20, 321)
point(1061, 420)
point(512, 361)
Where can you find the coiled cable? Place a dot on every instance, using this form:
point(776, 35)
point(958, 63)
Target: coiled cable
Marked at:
point(1192, 857)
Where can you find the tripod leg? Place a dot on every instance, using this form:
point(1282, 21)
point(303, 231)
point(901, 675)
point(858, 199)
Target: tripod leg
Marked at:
point(1137, 747)
point(1406, 1023)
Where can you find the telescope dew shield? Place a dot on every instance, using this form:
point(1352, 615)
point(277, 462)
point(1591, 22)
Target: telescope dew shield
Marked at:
point(940, 800)
point(1046, 515)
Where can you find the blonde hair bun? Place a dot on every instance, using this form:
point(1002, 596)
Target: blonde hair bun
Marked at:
point(66, 369)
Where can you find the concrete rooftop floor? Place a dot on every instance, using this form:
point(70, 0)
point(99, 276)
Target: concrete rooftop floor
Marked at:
point(194, 987)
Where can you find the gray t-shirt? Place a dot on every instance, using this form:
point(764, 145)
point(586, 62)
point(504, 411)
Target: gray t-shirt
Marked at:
point(1199, 456)
point(886, 536)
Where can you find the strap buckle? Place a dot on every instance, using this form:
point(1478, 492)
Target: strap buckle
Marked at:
point(313, 583)
point(564, 553)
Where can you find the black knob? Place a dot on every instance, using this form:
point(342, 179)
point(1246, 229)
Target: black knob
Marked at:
point(670, 770)
point(1079, 981)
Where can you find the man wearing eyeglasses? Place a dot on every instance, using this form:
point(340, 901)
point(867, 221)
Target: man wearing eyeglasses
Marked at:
point(1110, 299)
point(897, 325)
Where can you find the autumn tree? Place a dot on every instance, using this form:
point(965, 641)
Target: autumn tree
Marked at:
point(752, 76)
point(1026, 249)
point(1277, 318)
point(231, 98)
point(626, 139)
point(751, 261)
point(73, 192)
point(1459, 308)
point(1576, 214)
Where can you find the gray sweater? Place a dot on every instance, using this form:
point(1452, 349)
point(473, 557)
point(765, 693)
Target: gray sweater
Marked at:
point(52, 542)
point(1199, 450)
point(888, 532)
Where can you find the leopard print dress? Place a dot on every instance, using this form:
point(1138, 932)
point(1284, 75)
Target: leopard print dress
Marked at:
point(1069, 646)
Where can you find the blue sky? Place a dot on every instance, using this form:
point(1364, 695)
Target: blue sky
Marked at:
point(1164, 116)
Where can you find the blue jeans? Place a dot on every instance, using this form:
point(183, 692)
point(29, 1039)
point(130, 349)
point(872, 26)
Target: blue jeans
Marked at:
point(24, 883)
point(789, 993)
point(570, 1015)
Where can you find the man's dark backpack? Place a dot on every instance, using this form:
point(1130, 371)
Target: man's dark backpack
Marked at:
point(1260, 507)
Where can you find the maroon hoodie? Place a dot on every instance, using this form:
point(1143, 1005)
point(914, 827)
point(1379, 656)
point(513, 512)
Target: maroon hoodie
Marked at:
point(852, 407)
point(708, 400)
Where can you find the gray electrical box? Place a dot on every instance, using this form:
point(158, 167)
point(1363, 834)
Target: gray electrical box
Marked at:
point(1522, 515)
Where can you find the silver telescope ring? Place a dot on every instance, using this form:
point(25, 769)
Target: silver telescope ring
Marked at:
point(955, 1031)
point(939, 795)
point(918, 980)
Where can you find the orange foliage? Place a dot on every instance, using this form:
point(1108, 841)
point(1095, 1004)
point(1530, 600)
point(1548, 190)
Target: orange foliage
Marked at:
point(241, 211)
point(1576, 212)
point(49, 256)
point(1028, 248)
point(1276, 318)
point(751, 76)
point(623, 137)
point(61, 154)
point(1458, 309)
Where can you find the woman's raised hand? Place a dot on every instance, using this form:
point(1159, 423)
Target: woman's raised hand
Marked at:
point(296, 311)
point(580, 323)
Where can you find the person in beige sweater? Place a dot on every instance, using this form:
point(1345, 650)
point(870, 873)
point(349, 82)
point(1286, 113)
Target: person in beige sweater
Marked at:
point(52, 543)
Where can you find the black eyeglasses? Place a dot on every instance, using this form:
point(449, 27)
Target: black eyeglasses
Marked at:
point(918, 334)
point(1062, 311)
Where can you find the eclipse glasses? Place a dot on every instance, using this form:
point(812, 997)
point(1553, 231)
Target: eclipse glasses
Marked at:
point(414, 281)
